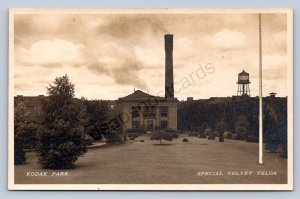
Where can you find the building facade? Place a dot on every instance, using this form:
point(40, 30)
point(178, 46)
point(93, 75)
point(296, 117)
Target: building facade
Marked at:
point(140, 109)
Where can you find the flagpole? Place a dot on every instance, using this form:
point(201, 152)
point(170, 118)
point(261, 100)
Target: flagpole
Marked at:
point(260, 161)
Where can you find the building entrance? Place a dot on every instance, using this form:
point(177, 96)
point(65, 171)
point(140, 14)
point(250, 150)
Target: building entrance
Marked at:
point(150, 126)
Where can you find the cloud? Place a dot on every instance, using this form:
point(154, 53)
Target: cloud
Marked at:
point(150, 57)
point(108, 55)
point(122, 69)
point(227, 39)
point(273, 42)
point(273, 61)
point(50, 53)
point(135, 27)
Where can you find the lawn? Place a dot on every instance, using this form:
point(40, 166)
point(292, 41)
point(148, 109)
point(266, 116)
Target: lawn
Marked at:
point(200, 161)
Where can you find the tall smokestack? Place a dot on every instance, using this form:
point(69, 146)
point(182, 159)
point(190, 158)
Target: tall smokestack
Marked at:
point(169, 84)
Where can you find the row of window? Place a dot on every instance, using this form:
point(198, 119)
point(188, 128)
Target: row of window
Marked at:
point(163, 124)
point(149, 111)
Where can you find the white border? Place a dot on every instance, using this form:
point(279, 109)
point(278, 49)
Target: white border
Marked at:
point(187, 187)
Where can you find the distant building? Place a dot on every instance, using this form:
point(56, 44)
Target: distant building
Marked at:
point(190, 99)
point(140, 109)
point(273, 94)
point(33, 105)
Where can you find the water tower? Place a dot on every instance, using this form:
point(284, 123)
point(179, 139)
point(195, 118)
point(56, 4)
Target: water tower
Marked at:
point(243, 84)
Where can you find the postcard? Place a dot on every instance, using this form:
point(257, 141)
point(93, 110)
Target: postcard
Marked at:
point(150, 99)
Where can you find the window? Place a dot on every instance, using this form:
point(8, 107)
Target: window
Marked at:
point(135, 110)
point(149, 111)
point(164, 124)
point(135, 124)
point(164, 111)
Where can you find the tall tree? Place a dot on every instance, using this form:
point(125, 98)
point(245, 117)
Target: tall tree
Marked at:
point(275, 128)
point(20, 124)
point(61, 137)
point(242, 127)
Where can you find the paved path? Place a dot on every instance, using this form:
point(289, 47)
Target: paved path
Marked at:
point(180, 163)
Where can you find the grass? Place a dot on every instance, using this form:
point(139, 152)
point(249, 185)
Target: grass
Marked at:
point(174, 163)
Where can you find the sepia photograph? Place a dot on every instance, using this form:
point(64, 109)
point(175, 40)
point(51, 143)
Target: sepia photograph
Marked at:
point(150, 99)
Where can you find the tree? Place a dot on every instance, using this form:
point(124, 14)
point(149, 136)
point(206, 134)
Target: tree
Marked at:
point(275, 128)
point(29, 135)
point(97, 118)
point(201, 129)
point(61, 137)
point(242, 127)
point(282, 128)
point(221, 128)
point(20, 124)
point(162, 135)
point(271, 134)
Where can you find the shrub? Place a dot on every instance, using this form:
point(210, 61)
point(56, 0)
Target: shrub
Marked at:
point(172, 131)
point(132, 138)
point(252, 138)
point(201, 135)
point(96, 135)
point(208, 132)
point(204, 126)
point(211, 137)
point(228, 135)
point(132, 134)
point(221, 127)
point(89, 139)
point(19, 153)
point(136, 132)
point(113, 138)
point(185, 140)
point(142, 141)
point(221, 138)
point(141, 130)
point(215, 133)
point(237, 136)
point(161, 135)
point(193, 134)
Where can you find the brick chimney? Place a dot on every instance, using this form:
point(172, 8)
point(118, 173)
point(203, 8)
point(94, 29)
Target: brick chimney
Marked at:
point(169, 84)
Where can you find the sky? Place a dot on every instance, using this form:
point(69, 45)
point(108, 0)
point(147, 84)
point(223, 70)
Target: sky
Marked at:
point(108, 56)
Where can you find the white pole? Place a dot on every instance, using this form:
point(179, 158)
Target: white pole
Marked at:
point(260, 161)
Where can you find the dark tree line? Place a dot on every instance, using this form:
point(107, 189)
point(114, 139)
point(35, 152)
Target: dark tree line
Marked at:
point(192, 115)
point(239, 117)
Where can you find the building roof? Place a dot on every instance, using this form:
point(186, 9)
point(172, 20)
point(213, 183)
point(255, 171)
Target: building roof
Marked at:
point(139, 95)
